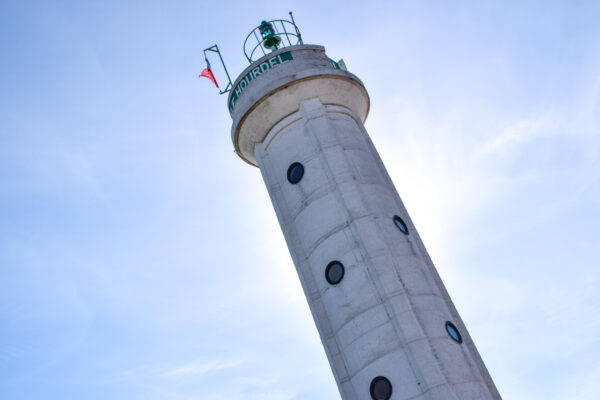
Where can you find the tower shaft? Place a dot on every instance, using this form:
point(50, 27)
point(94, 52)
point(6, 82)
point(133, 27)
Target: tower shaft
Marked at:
point(389, 328)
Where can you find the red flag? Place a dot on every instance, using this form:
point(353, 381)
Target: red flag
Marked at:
point(207, 73)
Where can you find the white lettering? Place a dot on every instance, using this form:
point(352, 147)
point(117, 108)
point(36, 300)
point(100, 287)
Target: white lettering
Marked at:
point(250, 76)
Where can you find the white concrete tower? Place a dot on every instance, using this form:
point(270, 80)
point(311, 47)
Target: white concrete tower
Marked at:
point(388, 325)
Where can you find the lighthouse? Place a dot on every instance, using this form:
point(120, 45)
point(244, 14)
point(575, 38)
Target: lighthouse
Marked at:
point(386, 321)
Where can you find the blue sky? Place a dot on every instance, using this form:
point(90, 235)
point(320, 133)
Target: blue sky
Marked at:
point(140, 258)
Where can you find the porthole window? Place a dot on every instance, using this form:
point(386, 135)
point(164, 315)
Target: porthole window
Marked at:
point(295, 173)
point(334, 272)
point(381, 388)
point(453, 332)
point(400, 224)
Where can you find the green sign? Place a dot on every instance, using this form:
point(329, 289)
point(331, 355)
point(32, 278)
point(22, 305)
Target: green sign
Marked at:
point(255, 73)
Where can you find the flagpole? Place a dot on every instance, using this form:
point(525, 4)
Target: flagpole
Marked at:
point(215, 49)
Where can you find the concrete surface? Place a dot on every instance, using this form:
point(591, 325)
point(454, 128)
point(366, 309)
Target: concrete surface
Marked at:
point(387, 316)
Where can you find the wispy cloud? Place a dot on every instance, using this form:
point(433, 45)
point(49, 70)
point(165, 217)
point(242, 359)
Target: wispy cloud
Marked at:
point(190, 369)
point(520, 132)
point(275, 395)
point(201, 368)
point(581, 387)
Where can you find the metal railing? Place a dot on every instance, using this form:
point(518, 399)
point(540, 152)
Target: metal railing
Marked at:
point(254, 45)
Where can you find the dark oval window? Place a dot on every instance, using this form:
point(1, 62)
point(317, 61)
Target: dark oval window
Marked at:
point(295, 173)
point(400, 224)
point(381, 388)
point(453, 332)
point(334, 272)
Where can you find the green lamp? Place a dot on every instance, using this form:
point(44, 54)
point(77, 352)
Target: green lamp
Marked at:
point(270, 40)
